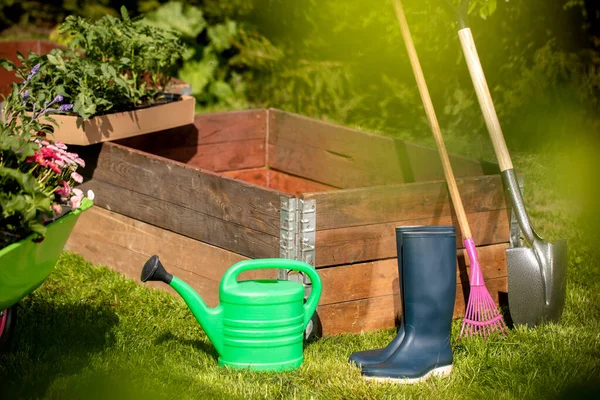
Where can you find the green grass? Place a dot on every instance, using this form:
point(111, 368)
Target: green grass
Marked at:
point(90, 333)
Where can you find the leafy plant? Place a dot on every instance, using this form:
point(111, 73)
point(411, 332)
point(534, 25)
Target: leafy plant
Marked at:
point(36, 175)
point(222, 54)
point(111, 64)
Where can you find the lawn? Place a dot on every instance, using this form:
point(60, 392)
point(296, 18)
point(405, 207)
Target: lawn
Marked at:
point(90, 333)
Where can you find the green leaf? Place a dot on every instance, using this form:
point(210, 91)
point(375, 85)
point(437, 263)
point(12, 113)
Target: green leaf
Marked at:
point(124, 14)
point(220, 35)
point(53, 60)
point(188, 20)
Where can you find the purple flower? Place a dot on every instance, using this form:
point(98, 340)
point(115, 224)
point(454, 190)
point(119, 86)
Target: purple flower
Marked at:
point(25, 96)
point(65, 107)
point(57, 99)
point(33, 71)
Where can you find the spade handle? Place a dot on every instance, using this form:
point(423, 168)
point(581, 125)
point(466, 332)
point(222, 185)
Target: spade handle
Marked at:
point(485, 98)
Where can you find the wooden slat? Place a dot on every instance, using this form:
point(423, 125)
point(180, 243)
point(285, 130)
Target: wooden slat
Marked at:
point(383, 312)
point(380, 278)
point(124, 244)
point(219, 157)
point(294, 184)
point(209, 193)
point(258, 176)
point(347, 158)
point(211, 128)
point(425, 164)
point(184, 221)
point(278, 180)
point(364, 206)
point(217, 142)
point(378, 241)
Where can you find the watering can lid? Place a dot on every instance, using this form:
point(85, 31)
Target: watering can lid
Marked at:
point(263, 291)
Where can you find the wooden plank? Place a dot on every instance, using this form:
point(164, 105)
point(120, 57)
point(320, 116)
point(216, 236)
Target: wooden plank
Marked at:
point(347, 158)
point(203, 191)
point(184, 221)
point(124, 244)
point(210, 128)
point(258, 176)
point(219, 157)
point(364, 206)
point(384, 312)
point(378, 241)
point(217, 142)
point(425, 164)
point(380, 278)
point(278, 180)
point(294, 184)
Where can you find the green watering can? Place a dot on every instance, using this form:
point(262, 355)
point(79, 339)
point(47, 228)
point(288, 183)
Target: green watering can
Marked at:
point(258, 324)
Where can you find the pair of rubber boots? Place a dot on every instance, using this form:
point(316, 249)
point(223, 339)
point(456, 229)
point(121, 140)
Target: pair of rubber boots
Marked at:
point(427, 276)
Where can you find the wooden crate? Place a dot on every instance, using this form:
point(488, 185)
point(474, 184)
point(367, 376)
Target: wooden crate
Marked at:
point(207, 195)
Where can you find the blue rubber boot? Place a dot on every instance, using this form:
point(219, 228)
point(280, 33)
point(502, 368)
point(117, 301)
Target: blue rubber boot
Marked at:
point(429, 283)
point(367, 357)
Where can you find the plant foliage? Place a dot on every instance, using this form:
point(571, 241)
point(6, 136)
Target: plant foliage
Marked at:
point(36, 175)
point(112, 64)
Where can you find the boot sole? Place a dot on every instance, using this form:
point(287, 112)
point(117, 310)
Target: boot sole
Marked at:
point(440, 371)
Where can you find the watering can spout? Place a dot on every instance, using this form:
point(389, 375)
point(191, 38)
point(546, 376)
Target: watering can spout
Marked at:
point(209, 318)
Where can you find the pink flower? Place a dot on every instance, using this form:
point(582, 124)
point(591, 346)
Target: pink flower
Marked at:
point(38, 158)
point(80, 161)
point(56, 209)
point(54, 167)
point(60, 145)
point(49, 153)
point(75, 202)
point(76, 177)
point(63, 191)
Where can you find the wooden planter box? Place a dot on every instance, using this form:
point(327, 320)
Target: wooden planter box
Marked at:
point(224, 189)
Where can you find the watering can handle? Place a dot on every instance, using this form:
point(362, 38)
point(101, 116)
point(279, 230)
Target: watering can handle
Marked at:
point(230, 278)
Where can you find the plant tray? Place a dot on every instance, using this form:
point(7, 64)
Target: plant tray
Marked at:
point(77, 131)
point(267, 183)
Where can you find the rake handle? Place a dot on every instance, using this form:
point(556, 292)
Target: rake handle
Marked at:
point(433, 122)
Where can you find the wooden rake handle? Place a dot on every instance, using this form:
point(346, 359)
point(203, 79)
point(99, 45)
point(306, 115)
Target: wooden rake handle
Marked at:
point(433, 122)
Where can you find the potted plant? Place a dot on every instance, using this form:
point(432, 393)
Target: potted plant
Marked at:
point(39, 204)
point(115, 72)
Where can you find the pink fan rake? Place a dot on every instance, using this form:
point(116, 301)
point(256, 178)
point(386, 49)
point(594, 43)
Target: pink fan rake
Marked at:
point(482, 316)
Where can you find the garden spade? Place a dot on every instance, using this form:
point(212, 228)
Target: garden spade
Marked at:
point(536, 274)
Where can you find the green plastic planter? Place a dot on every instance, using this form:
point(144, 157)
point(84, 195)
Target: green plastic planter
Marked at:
point(25, 265)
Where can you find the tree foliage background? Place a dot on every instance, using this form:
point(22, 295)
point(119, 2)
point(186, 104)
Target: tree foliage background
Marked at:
point(345, 60)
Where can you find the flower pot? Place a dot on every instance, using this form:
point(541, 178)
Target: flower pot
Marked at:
point(77, 131)
point(26, 264)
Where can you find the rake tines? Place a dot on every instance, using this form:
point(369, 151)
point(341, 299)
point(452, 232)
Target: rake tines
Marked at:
point(482, 316)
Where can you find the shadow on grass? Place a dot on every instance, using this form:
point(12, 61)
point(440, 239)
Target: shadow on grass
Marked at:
point(198, 344)
point(51, 340)
point(582, 390)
